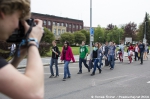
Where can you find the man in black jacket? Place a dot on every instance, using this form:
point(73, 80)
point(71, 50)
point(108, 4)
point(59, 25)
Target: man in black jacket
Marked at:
point(106, 54)
point(142, 48)
point(54, 59)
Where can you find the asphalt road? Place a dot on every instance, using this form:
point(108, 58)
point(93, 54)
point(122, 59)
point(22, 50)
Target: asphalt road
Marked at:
point(126, 81)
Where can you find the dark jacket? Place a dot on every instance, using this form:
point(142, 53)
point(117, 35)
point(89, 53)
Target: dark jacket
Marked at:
point(56, 49)
point(141, 47)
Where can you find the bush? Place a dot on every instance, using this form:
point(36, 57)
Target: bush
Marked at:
point(67, 37)
point(44, 48)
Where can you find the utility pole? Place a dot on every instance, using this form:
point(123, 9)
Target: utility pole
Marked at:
point(91, 36)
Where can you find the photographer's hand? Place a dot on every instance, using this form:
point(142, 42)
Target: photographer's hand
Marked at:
point(37, 31)
point(34, 34)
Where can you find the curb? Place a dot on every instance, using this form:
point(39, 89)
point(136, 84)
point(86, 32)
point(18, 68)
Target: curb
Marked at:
point(48, 64)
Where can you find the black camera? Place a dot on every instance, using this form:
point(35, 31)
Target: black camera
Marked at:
point(19, 34)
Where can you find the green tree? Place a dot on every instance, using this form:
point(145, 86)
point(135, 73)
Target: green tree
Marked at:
point(114, 35)
point(99, 34)
point(146, 27)
point(87, 35)
point(46, 41)
point(48, 36)
point(67, 37)
point(141, 29)
point(140, 32)
point(79, 37)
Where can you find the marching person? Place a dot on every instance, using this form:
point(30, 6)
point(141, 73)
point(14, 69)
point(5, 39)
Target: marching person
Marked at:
point(95, 56)
point(136, 49)
point(122, 48)
point(111, 55)
point(83, 57)
point(67, 56)
point(12, 49)
point(142, 49)
point(130, 53)
point(106, 54)
point(145, 52)
point(54, 59)
point(101, 54)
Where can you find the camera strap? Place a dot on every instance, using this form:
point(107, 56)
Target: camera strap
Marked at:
point(25, 40)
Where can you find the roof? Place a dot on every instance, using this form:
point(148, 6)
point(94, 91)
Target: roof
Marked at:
point(53, 16)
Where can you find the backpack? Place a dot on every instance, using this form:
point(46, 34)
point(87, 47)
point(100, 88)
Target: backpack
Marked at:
point(84, 49)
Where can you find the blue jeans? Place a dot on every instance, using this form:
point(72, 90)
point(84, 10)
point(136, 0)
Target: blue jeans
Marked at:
point(56, 66)
point(111, 59)
point(141, 57)
point(100, 61)
point(96, 65)
point(80, 64)
point(66, 69)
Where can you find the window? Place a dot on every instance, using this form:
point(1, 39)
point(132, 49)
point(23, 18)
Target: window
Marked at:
point(80, 27)
point(69, 25)
point(59, 31)
point(66, 25)
point(55, 31)
point(62, 24)
point(63, 31)
point(76, 26)
point(73, 26)
point(54, 23)
point(44, 22)
point(58, 24)
point(49, 22)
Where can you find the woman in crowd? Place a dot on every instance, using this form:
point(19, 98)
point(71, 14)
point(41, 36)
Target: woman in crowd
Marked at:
point(136, 50)
point(95, 56)
point(101, 50)
point(145, 52)
point(130, 53)
point(67, 56)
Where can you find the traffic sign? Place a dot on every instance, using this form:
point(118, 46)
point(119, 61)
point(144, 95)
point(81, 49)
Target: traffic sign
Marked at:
point(91, 31)
point(92, 38)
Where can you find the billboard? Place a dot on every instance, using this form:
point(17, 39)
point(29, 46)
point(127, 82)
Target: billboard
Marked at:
point(128, 39)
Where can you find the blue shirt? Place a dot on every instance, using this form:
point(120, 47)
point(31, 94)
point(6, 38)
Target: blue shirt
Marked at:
point(112, 50)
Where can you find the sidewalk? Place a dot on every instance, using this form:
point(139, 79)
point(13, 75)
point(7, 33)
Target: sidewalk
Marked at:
point(46, 60)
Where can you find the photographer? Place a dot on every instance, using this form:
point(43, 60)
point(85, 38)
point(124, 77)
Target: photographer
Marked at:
point(14, 84)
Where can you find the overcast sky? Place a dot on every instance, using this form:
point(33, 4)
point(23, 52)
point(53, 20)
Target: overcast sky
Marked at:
point(117, 12)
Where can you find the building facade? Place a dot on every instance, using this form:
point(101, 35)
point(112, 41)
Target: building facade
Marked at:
point(59, 25)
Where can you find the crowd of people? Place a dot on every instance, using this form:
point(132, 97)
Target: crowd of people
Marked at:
point(108, 51)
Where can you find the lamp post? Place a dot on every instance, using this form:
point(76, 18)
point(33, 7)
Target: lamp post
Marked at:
point(91, 26)
point(144, 39)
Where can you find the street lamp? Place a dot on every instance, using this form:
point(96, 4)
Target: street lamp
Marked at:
point(90, 25)
point(144, 39)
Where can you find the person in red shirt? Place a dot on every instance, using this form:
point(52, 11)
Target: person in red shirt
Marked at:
point(130, 52)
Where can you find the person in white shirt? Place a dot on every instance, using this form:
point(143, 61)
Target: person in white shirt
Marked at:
point(122, 47)
point(136, 51)
point(12, 49)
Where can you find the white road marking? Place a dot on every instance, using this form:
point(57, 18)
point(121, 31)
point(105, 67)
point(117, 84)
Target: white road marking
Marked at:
point(148, 82)
point(46, 73)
